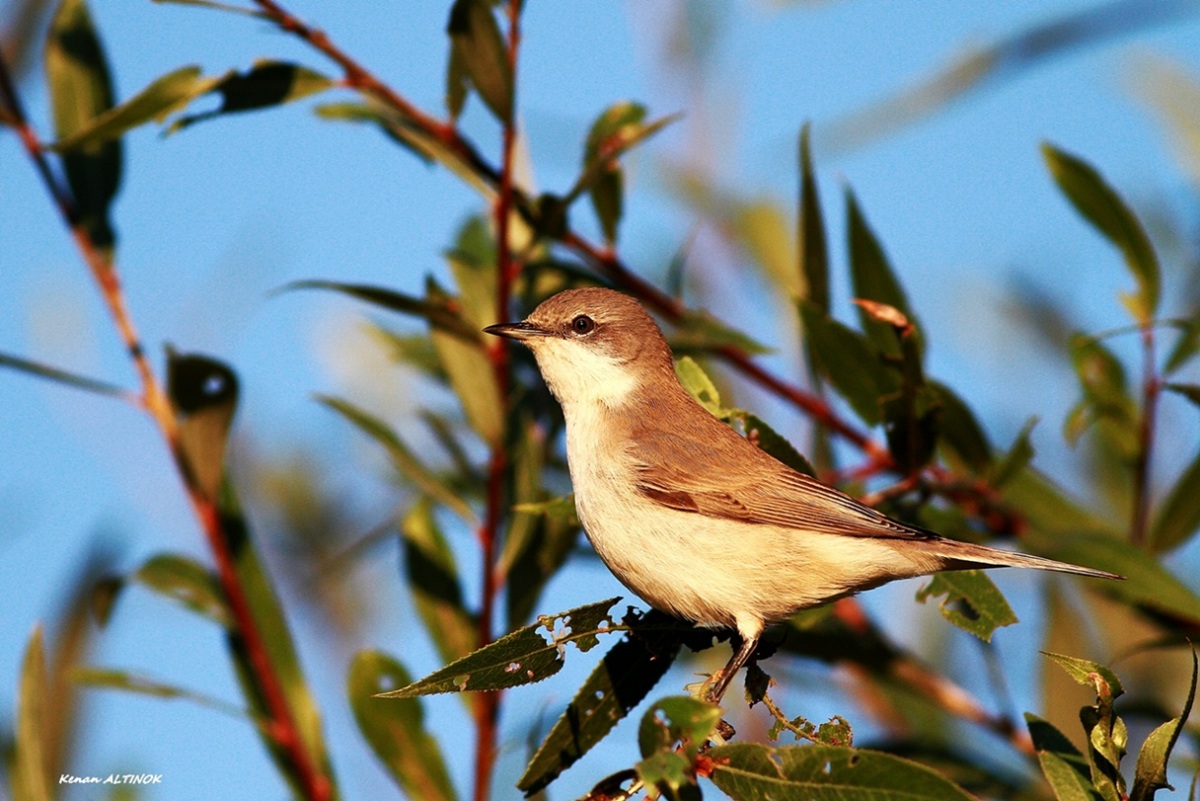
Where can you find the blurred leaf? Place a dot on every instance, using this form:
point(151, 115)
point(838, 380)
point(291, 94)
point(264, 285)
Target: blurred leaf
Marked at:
point(65, 377)
point(1096, 201)
point(697, 330)
point(764, 231)
point(670, 737)
point(403, 459)
point(814, 251)
point(1178, 516)
point(437, 590)
point(187, 581)
point(457, 85)
point(1018, 457)
point(441, 312)
point(30, 770)
point(629, 670)
point(1189, 391)
point(1090, 674)
point(972, 602)
point(1151, 772)
point(1064, 767)
point(396, 730)
point(525, 656)
point(204, 393)
point(1186, 346)
point(873, 278)
point(693, 378)
point(472, 261)
point(1175, 94)
point(825, 773)
point(268, 83)
point(561, 509)
point(960, 430)
point(847, 360)
point(480, 50)
point(1105, 396)
point(912, 420)
point(107, 678)
point(156, 102)
point(81, 90)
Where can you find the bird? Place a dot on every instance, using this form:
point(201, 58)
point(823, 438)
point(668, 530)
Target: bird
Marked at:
point(691, 516)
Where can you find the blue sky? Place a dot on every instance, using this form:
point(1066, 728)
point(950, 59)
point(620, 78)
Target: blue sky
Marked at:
point(212, 219)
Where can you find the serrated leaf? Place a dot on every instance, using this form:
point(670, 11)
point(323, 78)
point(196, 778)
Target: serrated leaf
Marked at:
point(525, 656)
point(972, 602)
point(814, 250)
point(1150, 775)
point(66, 377)
point(437, 590)
point(873, 278)
point(185, 580)
point(693, 378)
point(960, 430)
point(1090, 674)
point(81, 90)
point(480, 50)
point(1019, 455)
point(403, 459)
point(1064, 767)
point(627, 673)
point(825, 773)
point(204, 393)
point(267, 83)
point(395, 730)
point(155, 103)
point(1178, 518)
point(848, 362)
point(1097, 203)
point(31, 771)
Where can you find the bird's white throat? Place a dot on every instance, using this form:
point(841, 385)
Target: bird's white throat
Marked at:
point(578, 373)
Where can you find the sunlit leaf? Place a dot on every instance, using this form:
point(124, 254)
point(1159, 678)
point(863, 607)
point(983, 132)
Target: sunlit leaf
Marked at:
point(1096, 201)
point(187, 581)
point(80, 91)
point(395, 729)
point(1151, 773)
point(525, 656)
point(1064, 767)
point(627, 673)
point(268, 83)
point(693, 378)
point(31, 772)
point(204, 393)
point(437, 590)
point(972, 602)
point(480, 50)
point(1089, 674)
point(825, 773)
point(670, 737)
point(1178, 518)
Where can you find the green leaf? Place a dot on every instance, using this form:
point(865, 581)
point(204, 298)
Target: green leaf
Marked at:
point(473, 263)
point(1096, 202)
point(156, 102)
point(972, 602)
point(873, 278)
point(1065, 768)
point(1185, 346)
point(693, 378)
point(773, 443)
point(1178, 517)
point(457, 85)
point(670, 737)
point(480, 50)
point(1090, 674)
point(65, 377)
point(847, 359)
point(1018, 457)
point(440, 312)
point(403, 459)
point(627, 673)
point(561, 509)
point(1151, 773)
point(814, 250)
point(30, 768)
point(1189, 391)
point(825, 773)
point(436, 587)
point(525, 656)
point(699, 331)
point(80, 90)
point(107, 678)
point(185, 580)
point(960, 430)
point(268, 83)
point(395, 730)
point(204, 393)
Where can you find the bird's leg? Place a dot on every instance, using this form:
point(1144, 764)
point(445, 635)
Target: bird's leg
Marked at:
point(721, 681)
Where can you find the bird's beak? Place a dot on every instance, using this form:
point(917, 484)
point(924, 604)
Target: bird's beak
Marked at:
point(518, 331)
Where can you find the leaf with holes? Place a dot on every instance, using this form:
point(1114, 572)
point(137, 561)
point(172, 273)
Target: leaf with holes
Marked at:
point(972, 602)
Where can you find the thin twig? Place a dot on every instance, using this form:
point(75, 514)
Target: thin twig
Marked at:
point(282, 726)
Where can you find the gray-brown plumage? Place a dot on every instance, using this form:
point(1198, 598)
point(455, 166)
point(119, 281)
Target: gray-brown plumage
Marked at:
point(691, 516)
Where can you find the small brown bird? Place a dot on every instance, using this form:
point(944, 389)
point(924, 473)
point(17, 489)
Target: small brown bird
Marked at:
point(691, 516)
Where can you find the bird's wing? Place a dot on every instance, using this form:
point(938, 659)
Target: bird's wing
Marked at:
point(687, 477)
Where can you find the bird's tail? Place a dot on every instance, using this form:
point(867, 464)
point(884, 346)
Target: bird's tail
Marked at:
point(965, 556)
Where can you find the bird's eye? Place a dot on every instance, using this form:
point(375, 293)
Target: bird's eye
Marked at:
point(583, 324)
